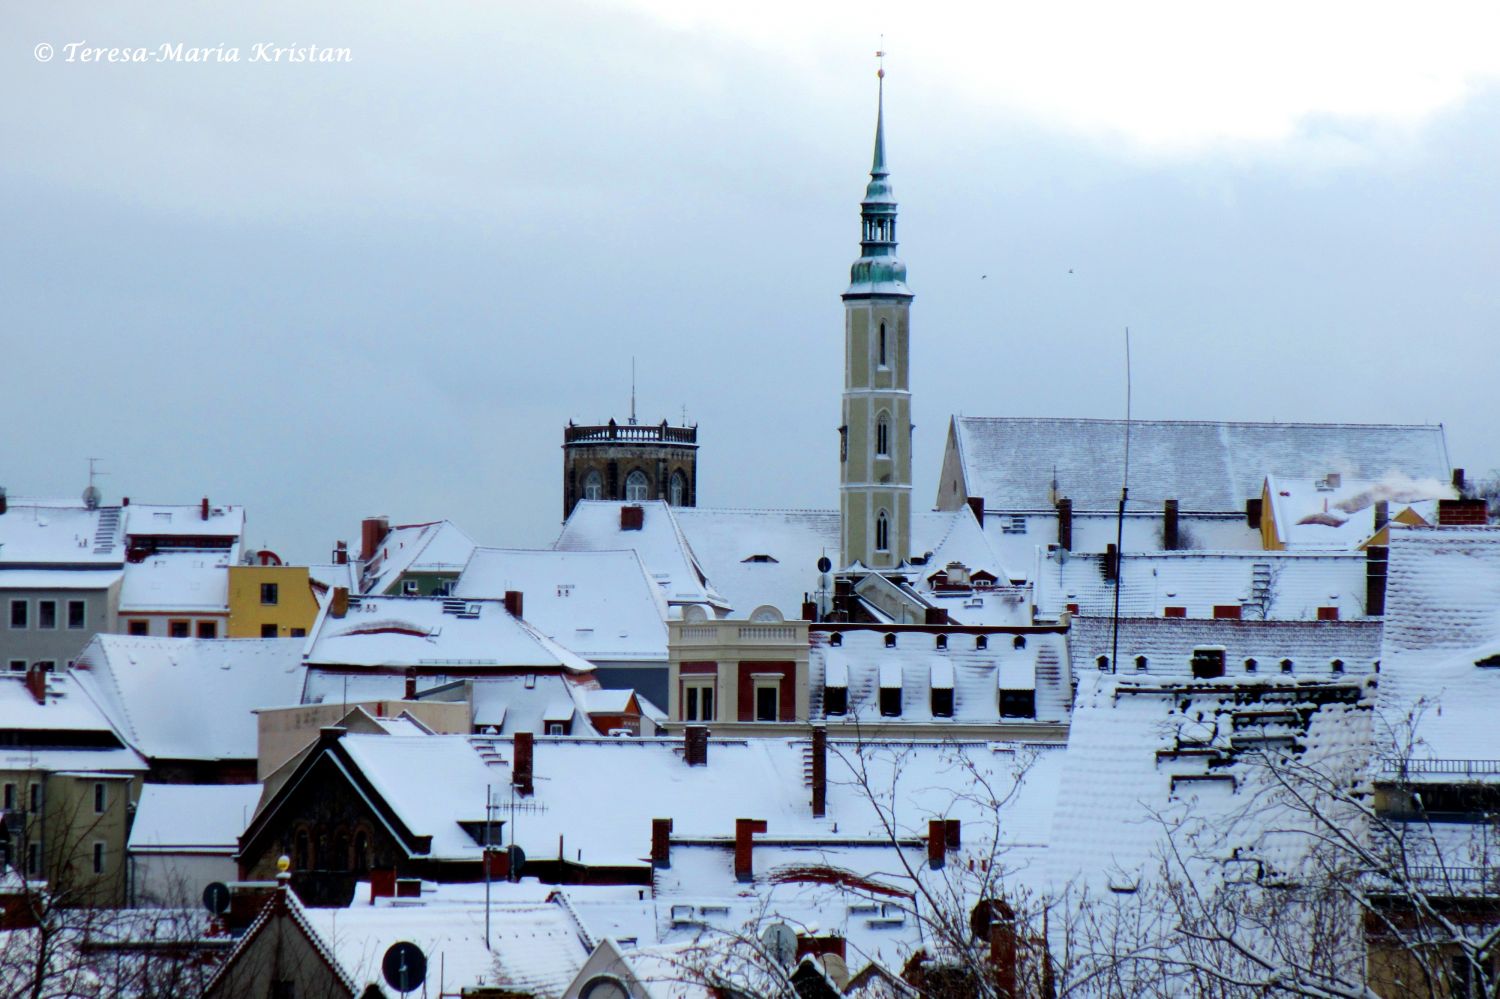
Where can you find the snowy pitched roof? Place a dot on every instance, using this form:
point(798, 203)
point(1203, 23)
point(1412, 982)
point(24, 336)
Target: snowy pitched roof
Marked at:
point(330, 574)
point(1167, 645)
point(601, 605)
point(189, 581)
point(66, 732)
point(1205, 465)
point(1442, 620)
point(189, 699)
point(1281, 585)
point(1339, 513)
point(595, 525)
point(192, 818)
point(434, 547)
point(41, 533)
point(184, 520)
point(396, 631)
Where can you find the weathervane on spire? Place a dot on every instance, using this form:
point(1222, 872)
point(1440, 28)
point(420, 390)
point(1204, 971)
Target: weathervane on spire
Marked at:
point(880, 54)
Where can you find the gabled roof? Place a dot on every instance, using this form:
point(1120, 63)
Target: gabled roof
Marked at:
point(189, 699)
point(192, 818)
point(46, 533)
point(1442, 618)
point(184, 520)
point(189, 581)
point(601, 605)
point(1205, 465)
point(417, 548)
point(594, 525)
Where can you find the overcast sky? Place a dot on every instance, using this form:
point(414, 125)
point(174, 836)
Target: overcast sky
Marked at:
point(383, 287)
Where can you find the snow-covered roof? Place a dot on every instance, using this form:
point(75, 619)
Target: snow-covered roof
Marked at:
point(66, 708)
point(433, 631)
point(419, 548)
point(1280, 585)
point(914, 663)
point(44, 532)
point(184, 520)
point(192, 818)
point(40, 733)
point(1167, 645)
point(333, 574)
point(189, 699)
point(1205, 465)
point(1442, 620)
point(189, 581)
point(1324, 513)
point(594, 525)
point(507, 702)
point(602, 605)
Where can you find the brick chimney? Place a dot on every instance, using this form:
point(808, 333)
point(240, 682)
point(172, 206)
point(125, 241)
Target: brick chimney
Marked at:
point(952, 834)
point(819, 772)
point(744, 831)
point(205, 508)
point(1065, 523)
point(371, 531)
point(1377, 562)
point(513, 603)
point(341, 553)
point(1382, 513)
point(632, 518)
point(1462, 512)
point(1111, 562)
point(339, 605)
point(382, 883)
point(695, 746)
point(1252, 512)
point(661, 843)
point(937, 843)
point(1171, 537)
point(521, 767)
point(410, 693)
point(976, 507)
point(36, 682)
point(1458, 480)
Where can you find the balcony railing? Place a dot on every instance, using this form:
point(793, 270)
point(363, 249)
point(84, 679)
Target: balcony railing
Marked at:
point(1462, 768)
point(659, 433)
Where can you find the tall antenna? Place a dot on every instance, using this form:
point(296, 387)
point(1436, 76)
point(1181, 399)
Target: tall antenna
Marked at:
point(632, 391)
point(1114, 651)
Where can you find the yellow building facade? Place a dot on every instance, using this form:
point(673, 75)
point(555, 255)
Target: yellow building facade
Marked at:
point(270, 601)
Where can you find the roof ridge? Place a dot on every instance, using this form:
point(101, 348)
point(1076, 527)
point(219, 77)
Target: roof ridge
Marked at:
point(1198, 423)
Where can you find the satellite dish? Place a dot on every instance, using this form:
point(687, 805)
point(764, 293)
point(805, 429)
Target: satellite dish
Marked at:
point(404, 966)
point(91, 497)
point(216, 898)
point(780, 943)
point(824, 563)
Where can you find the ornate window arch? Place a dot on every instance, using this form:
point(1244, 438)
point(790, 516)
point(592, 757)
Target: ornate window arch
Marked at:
point(883, 434)
point(881, 360)
point(637, 486)
point(677, 489)
point(593, 485)
point(882, 532)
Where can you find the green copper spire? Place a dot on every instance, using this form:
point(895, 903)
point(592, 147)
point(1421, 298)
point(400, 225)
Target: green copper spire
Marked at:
point(877, 271)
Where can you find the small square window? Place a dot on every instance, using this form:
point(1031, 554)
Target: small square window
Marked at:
point(1286, 665)
point(47, 665)
point(76, 614)
point(410, 588)
point(269, 630)
point(835, 700)
point(178, 629)
point(1017, 704)
point(139, 627)
point(18, 665)
point(556, 728)
point(299, 632)
point(46, 614)
point(270, 593)
point(1208, 664)
point(208, 629)
point(20, 614)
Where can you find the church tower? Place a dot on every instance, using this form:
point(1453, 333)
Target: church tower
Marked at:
point(875, 439)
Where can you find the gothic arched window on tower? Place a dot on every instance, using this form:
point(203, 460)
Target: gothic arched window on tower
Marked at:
point(593, 485)
point(883, 434)
point(636, 486)
point(882, 345)
point(677, 491)
point(882, 532)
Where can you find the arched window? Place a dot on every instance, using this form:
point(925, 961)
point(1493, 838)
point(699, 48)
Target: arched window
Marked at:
point(677, 490)
point(593, 485)
point(636, 486)
point(882, 532)
point(882, 345)
point(1019, 642)
point(883, 434)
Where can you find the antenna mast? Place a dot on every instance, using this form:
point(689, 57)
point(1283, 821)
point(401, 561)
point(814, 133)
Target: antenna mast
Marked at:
point(1114, 651)
point(632, 391)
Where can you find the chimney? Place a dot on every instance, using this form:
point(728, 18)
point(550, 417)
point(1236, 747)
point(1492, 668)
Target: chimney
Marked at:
point(744, 829)
point(521, 767)
point(1382, 513)
point(1111, 562)
point(341, 553)
point(410, 694)
point(661, 843)
point(3, 504)
point(937, 843)
point(382, 883)
point(513, 603)
point(951, 834)
point(819, 772)
point(809, 610)
point(1170, 537)
point(1252, 513)
point(632, 518)
point(339, 605)
point(205, 508)
point(1463, 512)
point(371, 530)
point(1377, 561)
point(36, 682)
point(976, 507)
point(1065, 523)
point(1458, 480)
point(125, 501)
point(1003, 953)
point(695, 746)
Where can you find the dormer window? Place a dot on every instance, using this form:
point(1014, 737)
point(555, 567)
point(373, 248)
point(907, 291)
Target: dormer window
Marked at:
point(941, 687)
point(981, 642)
point(890, 690)
point(1337, 666)
point(1208, 664)
point(941, 643)
point(890, 639)
point(1019, 642)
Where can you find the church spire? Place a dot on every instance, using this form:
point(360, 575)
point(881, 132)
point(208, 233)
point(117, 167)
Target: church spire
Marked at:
point(877, 271)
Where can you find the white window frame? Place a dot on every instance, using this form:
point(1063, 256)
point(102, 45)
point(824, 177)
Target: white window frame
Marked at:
point(700, 685)
point(637, 486)
point(882, 531)
point(593, 485)
point(765, 681)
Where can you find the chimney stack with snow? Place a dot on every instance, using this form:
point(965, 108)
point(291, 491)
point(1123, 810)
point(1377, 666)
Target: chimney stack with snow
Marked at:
point(695, 746)
point(1065, 524)
point(1463, 513)
point(1170, 534)
point(819, 772)
point(937, 843)
point(513, 604)
point(370, 533)
point(1382, 513)
point(632, 518)
point(341, 553)
point(338, 604)
point(1458, 480)
point(521, 766)
point(205, 508)
point(744, 832)
point(661, 843)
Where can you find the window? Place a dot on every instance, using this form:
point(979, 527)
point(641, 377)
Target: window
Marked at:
point(1174, 612)
point(767, 698)
point(883, 435)
point(890, 702)
point(981, 642)
point(1102, 662)
point(1208, 663)
point(410, 588)
point(1337, 665)
point(177, 629)
point(1250, 665)
point(76, 609)
point(835, 700)
point(1328, 613)
point(593, 485)
point(34, 859)
point(139, 627)
point(283, 988)
point(299, 632)
point(698, 702)
point(942, 702)
point(1017, 704)
point(47, 665)
point(836, 639)
point(98, 858)
point(1286, 665)
point(269, 630)
point(270, 593)
point(941, 642)
point(882, 532)
point(18, 665)
point(10, 798)
point(557, 728)
point(101, 798)
point(637, 487)
point(46, 614)
point(18, 614)
point(677, 490)
point(35, 804)
point(208, 629)
point(882, 354)
point(1013, 524)
point(1141, 664)
point(890, 639)
point(1226, 612)
point(1019, 642)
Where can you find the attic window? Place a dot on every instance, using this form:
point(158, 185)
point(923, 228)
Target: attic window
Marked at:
point(1337, 666)
point(1140, 664)
point(1250, 665)
point(890, 640)
point(1102, 662)
point(1013, 524)
point(890, 690)
point(981, 642)
point(941, 686)
point(762, 559)
point(1489, 661)
point(836, 639)
point(835, 700)
point(1208, 664)
point(1019, 642)
point(941, 642)
point(1286, 665)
